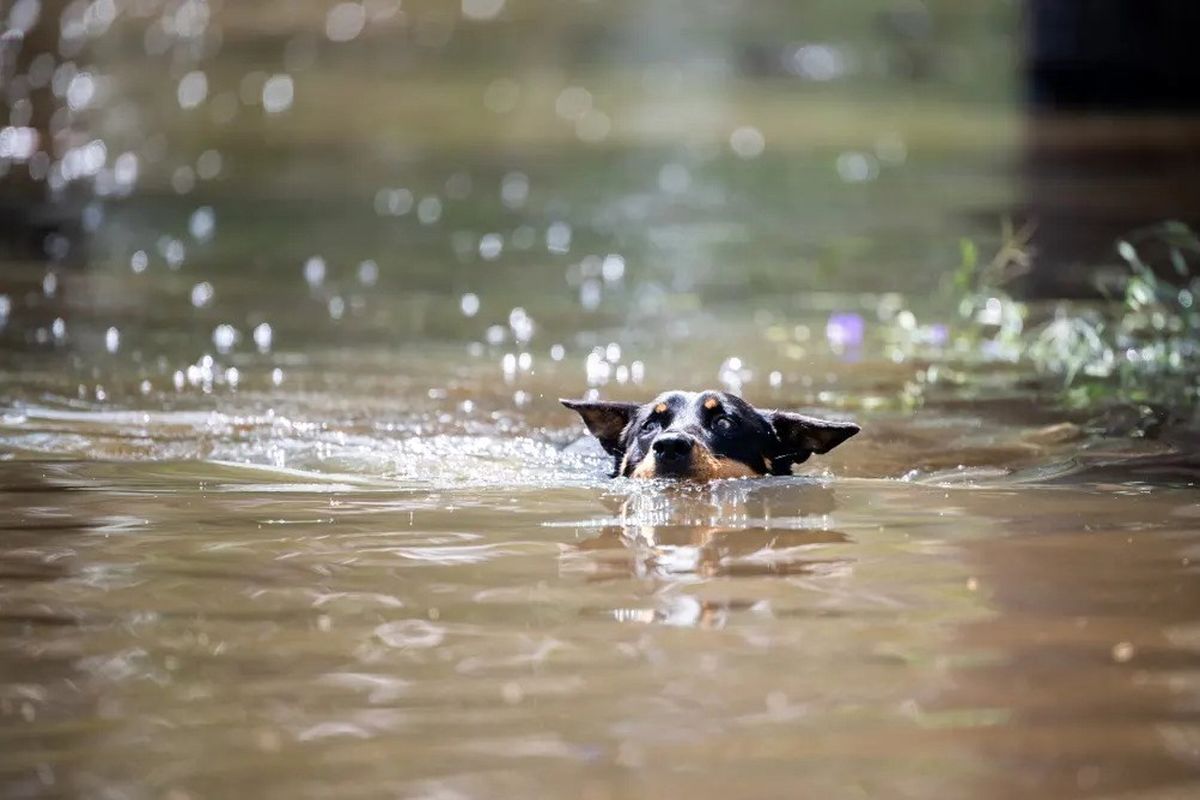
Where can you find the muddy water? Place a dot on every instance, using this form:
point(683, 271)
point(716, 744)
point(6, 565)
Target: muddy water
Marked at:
point(303, 592)
point(362, 552)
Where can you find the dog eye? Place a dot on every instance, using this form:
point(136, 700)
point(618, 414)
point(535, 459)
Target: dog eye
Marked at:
point(650, 424)
point(723, 424)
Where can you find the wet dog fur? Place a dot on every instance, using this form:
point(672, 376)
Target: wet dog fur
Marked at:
point(705, 436)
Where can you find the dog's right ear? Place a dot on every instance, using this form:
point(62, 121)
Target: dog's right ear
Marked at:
point(606, 421)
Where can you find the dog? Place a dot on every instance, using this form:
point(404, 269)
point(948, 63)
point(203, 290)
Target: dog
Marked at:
point(703, 436)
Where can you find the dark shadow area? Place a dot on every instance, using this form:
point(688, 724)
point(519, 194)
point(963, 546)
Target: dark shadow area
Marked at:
point(1112, 134)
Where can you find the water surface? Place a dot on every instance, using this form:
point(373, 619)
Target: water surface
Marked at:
point(288, 507)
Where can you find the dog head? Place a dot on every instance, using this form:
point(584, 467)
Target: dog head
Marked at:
point(705, 436)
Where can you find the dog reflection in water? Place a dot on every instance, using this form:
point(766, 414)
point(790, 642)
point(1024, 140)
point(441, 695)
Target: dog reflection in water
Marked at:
point(677, 536)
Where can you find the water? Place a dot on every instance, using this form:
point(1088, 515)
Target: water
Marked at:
point(380, 594)
point(288, 507)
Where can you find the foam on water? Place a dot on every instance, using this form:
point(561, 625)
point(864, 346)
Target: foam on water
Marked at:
point(297, 451)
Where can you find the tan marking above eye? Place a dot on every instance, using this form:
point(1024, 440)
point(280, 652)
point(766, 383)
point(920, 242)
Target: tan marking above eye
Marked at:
point(711, 403)
point(661, 408)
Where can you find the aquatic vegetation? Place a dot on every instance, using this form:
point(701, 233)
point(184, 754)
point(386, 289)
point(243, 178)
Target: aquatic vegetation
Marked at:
point(1138, 343)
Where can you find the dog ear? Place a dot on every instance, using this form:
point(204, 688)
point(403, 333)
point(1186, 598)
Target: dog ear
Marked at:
point(606, 421)
point(801, 435)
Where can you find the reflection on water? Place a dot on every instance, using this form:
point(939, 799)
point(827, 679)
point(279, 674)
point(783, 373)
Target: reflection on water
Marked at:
point(500, 619)
point(288, 507)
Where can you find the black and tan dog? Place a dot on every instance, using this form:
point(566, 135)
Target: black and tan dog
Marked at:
point(705, 436)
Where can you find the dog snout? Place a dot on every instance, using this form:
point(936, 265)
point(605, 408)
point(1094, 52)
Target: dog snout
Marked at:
point(673, 448)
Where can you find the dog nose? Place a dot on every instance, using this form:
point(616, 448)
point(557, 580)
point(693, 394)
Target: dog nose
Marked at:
point(672, 447)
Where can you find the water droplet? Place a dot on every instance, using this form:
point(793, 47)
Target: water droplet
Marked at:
point(514, 190)
point(337, 307)
point(24, 15)
point(81, 91)
point(521, 324)
point(393, 202)
point(183, 179)
point(19, 144)
point(345, 21)
point(277, 94)
point(482, 9)
point(192, 90)
point(263, 335)
point(590, 294)
point(490, 246)
point(314, 271)
point(125, 170)
point(557, 352)
point(573, 102)
point(224, 337)
point(596, 368)
point(202, 294)
point(174, 252)
point(209, 164)
point(368, 273)
point(112, 340)
point(854, 167)
point(429, 210)
point(469, 304)
point(139, 261)
point(747, 142)
point(202, 223)
point(558, 237)
point(612, 269)
point(817, 62)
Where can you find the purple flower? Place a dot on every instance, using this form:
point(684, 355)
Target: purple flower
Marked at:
point(845, 329)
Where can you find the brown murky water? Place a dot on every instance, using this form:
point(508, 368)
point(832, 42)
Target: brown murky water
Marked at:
point(361, 551)
point(330, 600)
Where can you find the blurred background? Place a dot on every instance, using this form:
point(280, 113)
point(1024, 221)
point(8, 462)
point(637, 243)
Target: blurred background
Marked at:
point(352, 171)
point(372, 172)
point(289, 290)
point(378, 172)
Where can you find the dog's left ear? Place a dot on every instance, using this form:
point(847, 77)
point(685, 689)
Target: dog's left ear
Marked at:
point(606, 421)
point(801, 435)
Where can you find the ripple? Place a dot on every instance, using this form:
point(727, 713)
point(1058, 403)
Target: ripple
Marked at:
point(410, 634)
